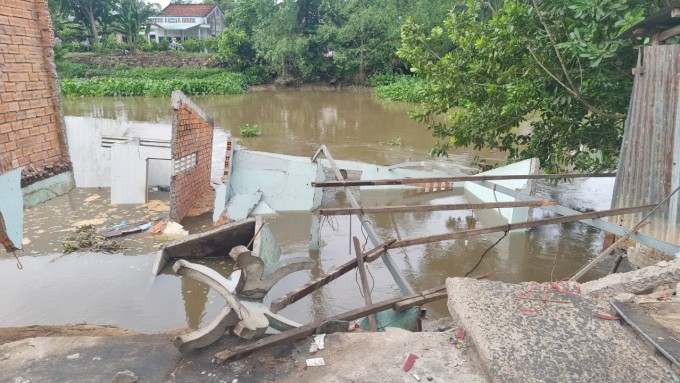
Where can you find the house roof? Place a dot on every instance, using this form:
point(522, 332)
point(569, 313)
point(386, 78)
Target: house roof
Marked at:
point(181, 10)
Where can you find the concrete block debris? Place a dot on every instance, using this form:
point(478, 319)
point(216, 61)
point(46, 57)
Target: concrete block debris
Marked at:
point(317, 344)
point(315, 362)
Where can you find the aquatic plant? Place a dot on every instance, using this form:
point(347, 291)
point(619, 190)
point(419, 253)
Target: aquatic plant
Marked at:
point(396, 141)
point(248, 130)
point(399, 88)
point(223, 83)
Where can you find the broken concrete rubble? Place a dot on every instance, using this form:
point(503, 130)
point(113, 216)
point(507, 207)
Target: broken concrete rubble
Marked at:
point(633, 282)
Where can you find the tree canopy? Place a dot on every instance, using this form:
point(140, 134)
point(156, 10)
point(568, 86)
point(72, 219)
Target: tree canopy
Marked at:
point(534, 78)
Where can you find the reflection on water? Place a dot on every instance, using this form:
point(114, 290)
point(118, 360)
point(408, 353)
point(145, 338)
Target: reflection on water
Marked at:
point(351, 124)
point(119, 289)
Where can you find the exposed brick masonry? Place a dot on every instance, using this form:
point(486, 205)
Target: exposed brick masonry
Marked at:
point(31, 123)
point(192, 132)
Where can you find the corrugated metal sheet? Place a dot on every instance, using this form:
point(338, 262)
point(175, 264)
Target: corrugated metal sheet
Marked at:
point(650, 153)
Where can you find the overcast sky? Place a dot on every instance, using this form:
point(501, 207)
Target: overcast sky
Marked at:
point(163, 3)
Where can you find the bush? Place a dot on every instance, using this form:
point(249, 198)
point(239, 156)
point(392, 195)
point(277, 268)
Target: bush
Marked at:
point(191, 45)
point(403, 88)
point(75, 47)
point(382, 79)
point(256, 75)
point(67, 69)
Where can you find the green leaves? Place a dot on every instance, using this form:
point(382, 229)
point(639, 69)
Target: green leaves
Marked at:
point(528, 77)
point(156, 82)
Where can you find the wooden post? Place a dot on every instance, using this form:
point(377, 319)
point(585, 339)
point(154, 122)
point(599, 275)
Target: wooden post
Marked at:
point(364, 283)
point(286, 337)
point(311, 286)
point(407, 209)
point(606, 251)
point(520, 225)
point(495, 177)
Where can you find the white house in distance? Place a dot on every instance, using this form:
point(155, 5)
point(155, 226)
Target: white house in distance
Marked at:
point(186, 21)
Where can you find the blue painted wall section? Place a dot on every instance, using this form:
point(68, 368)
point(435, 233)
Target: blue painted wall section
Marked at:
point(12, 205)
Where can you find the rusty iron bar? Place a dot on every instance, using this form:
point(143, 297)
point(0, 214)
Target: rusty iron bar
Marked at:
point(412, 208)
point(520, 225)
point(495, 177)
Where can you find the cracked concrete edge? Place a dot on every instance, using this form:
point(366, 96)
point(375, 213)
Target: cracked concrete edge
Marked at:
point(634, 282)
point(476, 353)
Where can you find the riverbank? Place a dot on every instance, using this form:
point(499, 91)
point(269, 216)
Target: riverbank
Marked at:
point(500, 333)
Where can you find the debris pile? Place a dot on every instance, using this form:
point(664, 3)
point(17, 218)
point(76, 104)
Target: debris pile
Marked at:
point(88, 239)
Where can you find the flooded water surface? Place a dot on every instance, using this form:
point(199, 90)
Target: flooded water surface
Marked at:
point(119, 289)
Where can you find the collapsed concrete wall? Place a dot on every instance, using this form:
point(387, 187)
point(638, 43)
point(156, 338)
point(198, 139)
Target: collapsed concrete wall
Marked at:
point(192, 135)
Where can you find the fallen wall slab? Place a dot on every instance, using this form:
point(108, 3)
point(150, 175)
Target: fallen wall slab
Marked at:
point(564, 342)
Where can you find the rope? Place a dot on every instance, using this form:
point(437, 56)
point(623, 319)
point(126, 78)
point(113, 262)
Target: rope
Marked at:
point(548, 287)
point(19, 265)
point(487, 250)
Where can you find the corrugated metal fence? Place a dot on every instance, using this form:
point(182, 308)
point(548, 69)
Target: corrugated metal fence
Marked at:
point(650, 154)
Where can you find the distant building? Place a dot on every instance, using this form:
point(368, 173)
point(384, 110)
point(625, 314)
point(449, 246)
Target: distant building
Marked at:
point(187, 21)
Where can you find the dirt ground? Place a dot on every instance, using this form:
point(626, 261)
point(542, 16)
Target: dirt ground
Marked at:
point(13, 334)
point(91, 353)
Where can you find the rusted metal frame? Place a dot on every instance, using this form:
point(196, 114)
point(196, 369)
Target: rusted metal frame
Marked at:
point(411, 208)
point(519, 225)
point(372, 324)
point(598, 223)
point(286, 337)
point(494, 177)
point(311, 286)
point(404, 286)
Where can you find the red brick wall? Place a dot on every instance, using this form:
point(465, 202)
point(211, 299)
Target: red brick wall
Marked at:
point(31, 121)
point(192, 132)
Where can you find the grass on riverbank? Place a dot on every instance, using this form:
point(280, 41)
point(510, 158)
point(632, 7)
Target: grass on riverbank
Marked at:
point(398, 87)
point(81, 80)
point(78, 80)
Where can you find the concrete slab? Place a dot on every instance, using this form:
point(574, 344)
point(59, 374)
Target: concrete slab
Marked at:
point(563, 343)
point(240, 205)
point(283, 180)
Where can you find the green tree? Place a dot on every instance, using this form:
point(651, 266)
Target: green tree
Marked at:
point(130, 18)
point(364, 38)
point(89, 13)
point(64, 28)
point(534, 78)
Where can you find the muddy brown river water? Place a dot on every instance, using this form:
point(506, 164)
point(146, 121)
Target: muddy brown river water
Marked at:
point(119, 289)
